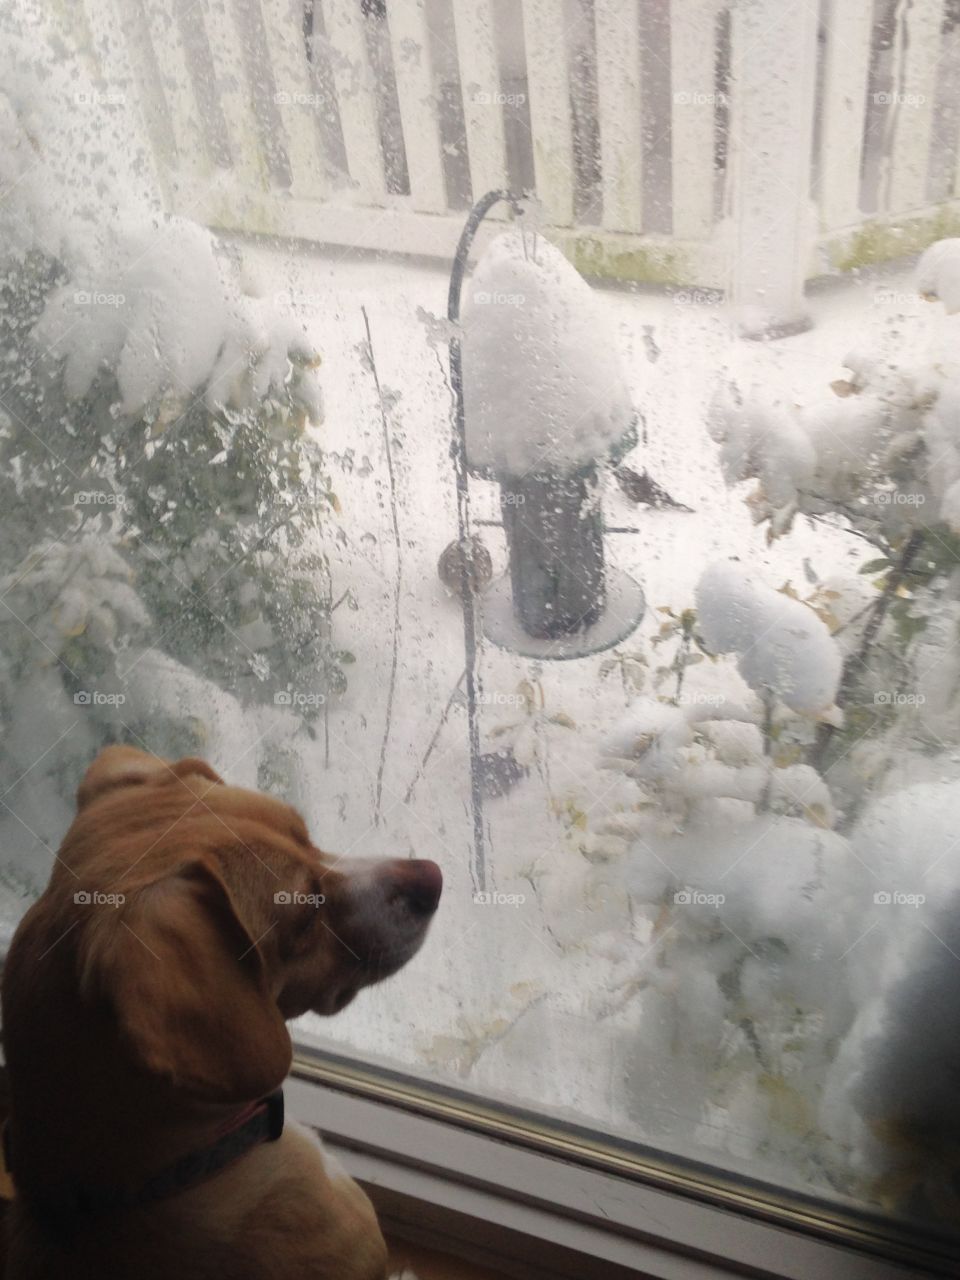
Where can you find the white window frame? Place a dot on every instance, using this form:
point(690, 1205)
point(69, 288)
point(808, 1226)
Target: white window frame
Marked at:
point(446, 1171)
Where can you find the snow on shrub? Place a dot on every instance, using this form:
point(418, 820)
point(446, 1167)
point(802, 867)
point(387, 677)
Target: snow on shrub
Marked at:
point(782, 647)
point(881, 444)
point(795, 930)
point(543, 386)
point(938, 273)
point(164, 496)
point(686, 758)
point(165, 314)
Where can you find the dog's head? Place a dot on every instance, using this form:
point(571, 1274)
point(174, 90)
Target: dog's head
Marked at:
point(205, 917)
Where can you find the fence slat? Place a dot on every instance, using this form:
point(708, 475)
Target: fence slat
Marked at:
point(548, 82)
point(234, 89)
point(914, 84)
point(693, 52)
point(621, 134)
point(845, 78)
point(166, 39)
point(356, 97)
point(480, 90)
point(413, 68)
point(116, 49)
point(296, 95)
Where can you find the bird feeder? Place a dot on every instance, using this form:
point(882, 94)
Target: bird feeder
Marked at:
point(560, 599)
point(546, 407)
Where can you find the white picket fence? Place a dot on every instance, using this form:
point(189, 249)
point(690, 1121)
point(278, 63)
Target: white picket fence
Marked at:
point(744, 146)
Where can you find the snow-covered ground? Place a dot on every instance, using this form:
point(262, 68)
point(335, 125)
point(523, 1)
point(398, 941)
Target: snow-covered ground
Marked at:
point(527, 997)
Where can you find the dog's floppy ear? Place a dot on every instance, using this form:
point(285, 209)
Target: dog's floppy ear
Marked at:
point(188, 987)
point(123, 766)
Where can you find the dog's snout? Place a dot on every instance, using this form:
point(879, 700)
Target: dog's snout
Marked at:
point(417, 880)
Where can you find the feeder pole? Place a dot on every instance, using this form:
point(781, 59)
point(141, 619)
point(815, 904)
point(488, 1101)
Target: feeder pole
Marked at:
point(458, 452)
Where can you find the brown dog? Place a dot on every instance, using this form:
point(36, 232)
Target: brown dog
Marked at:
point(144, 1006)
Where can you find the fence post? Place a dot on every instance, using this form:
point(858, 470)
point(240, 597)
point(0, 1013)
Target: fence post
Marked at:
point(548, 84)
point(772, 88)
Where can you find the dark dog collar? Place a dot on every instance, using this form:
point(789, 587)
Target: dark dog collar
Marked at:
point(62, 1215)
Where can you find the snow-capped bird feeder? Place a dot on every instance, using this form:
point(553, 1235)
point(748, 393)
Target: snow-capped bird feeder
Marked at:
point(546, 405)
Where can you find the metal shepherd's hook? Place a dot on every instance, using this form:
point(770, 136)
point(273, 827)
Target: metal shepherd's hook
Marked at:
point(458, 452)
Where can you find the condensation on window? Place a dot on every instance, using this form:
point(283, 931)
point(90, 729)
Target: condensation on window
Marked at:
point(621, 580)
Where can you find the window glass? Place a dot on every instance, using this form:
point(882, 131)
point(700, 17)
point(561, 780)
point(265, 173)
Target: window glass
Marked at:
point(654, 648)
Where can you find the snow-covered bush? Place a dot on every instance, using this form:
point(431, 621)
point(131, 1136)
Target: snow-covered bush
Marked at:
point(724, 844)
point(784, 650)
point(800, 887)
point(877, 451)
point(162, 490)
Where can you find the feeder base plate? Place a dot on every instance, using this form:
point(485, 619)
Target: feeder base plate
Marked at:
point(622, 614)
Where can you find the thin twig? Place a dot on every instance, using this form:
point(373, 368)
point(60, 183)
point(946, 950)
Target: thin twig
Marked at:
point(433, 741)
point(391, 688)
point(768, 697)
point(857, 661)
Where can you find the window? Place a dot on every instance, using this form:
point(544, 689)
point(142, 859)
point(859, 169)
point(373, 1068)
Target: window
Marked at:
point(620, 578)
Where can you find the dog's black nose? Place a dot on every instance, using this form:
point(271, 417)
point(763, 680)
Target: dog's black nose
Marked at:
point(418, 881)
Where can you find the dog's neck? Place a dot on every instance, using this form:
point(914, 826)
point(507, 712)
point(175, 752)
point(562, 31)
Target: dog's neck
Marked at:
point(68, 1210)
point(83, 1109)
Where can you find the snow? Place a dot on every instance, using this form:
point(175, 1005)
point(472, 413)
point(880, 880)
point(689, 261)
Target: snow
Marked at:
point(543, 385)
point(71, 151)
point(761, 438)
point(558, 982)
point(781, 645)
point(148, 296)
point(891, 1097)
point(881, 442)
point(163, 309)
point(686, 946)
point(523, 1024)
point(938, 273)
point(154, 311)
point(679, 950)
